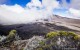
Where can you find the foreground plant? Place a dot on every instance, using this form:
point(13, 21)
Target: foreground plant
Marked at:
point(52, 34)
point(9, 38)
point(57, 40)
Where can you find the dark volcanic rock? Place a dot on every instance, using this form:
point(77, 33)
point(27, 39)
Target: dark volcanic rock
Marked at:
point(26, 31)
point(29, 30)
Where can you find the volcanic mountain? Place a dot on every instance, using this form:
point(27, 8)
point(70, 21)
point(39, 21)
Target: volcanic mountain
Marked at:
point(41, 27)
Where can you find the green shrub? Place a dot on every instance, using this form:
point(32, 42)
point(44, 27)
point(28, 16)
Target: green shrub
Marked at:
point(63, 33)
point(12, 33)
point(52, 34)
point(11, 36)
point(77, 37)
point(71, 34)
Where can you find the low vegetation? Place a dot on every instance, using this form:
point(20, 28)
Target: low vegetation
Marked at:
point(63, 39)
point(52, 40)
point(52, 34)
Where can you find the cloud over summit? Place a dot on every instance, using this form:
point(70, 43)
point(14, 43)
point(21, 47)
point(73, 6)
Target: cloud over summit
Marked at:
point(34, 10)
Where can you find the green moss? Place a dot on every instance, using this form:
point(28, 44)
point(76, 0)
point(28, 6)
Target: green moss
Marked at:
point(52, 34)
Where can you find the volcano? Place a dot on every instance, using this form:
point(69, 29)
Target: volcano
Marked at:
point(41, 27)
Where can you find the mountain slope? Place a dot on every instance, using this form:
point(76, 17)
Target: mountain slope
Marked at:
point(57, 23)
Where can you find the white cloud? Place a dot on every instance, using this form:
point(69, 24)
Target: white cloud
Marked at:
point(71, 13)
point(73, 8)
point(17, 14)
point(34, 3)
point(74, 12)
point(15, 8)
point(49, 5)
point(74, 4)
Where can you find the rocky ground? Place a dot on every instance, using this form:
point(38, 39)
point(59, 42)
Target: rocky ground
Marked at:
point(39, 28)
point(28, 44)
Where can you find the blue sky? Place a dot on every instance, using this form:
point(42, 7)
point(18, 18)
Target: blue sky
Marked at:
point(20, 2)
point(23, 2)
point(60, 1)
